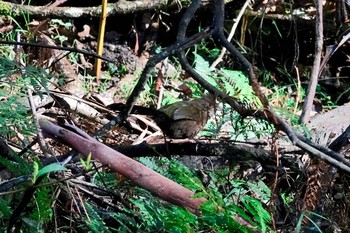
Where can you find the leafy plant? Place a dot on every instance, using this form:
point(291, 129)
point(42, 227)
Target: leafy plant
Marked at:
point(309, 217)
point(59, 22)
point(157, 217)
point(55, 24)
point(87, 165)
point(217, 213)
point(235, 84)
point(94, 221)
point(47, 169)
point(15, 80)
point(43, 201)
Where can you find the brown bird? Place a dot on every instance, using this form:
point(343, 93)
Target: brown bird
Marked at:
point(183, 119)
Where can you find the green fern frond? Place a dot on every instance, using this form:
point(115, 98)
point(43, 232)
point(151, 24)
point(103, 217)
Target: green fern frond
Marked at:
point(95, 222)
point(5, 210)
point(43, 202)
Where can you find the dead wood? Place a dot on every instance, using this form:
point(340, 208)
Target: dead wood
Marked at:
point(328, 126)
point(121, 7)
point(131, 169)
point(235, 152)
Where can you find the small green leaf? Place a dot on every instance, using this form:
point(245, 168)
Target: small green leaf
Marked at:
point(86, 164)
point(35, 171)
point(50, 168)
point(209, 206)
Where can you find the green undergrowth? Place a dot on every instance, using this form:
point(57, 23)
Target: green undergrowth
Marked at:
point(228, 199)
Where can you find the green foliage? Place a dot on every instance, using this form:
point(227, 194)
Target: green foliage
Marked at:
point(175, 171)
point(117, 71)
point(277, 29)
point(32, 225)
point(168, 98)
point(232, 82)
point(18, 167)
point(217, 213)
point(326, 99)
point(310, 216)
point(235, 84)
point(220, 220)
point(94, 221)
point(106, 179)
point(59, 22)
point(126, 222)
point(5, 210)
point(203, 69)
point(5, 8)
point(13, 115)
point(156, 217)
point(55, 24)
point(35, 171)
point(182, 175)
point(239, 202)
point(49, 168)
point(88, 83)
point(43, 201)
point(41, 211)
point(36, 77)
point(15, 80)
point(206, 49)
point(87, 165)
point(237, 128)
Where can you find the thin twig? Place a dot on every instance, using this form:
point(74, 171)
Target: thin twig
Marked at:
point(47, 152)
point(297, 98)
point(311, 89)
point(230, 36)
point(56, 47)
